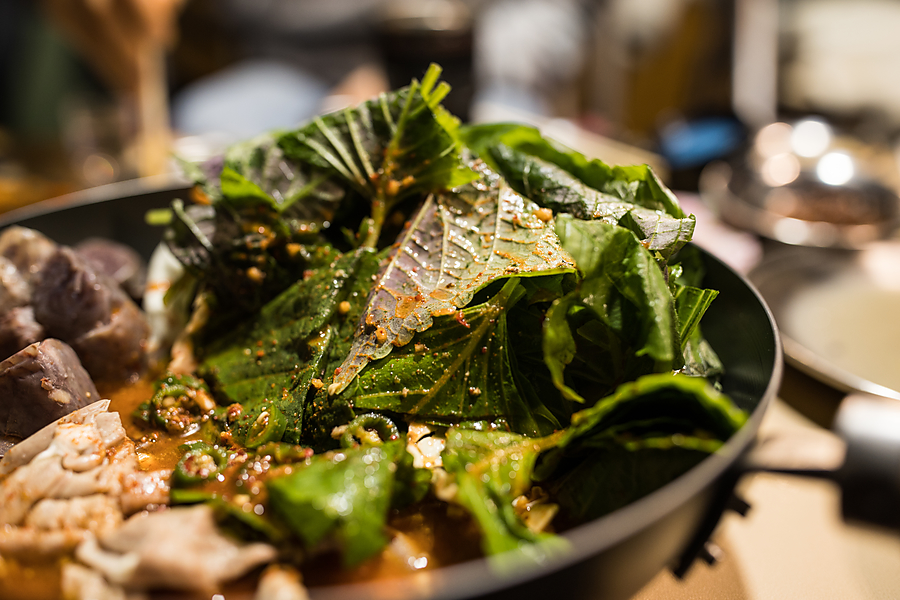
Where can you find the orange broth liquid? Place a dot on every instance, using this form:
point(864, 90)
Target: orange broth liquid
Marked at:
point(442, 534)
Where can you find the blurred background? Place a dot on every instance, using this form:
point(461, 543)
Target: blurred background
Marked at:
point(777, 123)
point(97, 91)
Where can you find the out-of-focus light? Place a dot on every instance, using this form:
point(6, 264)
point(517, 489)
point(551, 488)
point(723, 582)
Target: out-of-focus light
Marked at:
point(780, 169)
point(773, 139)
point(810, 138)
point(835, 168)
point(791, 231)
point(98, 169)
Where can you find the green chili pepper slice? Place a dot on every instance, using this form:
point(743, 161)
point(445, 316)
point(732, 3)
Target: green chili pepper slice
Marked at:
point(201, 463)
point(359, 427)
point(268, 427)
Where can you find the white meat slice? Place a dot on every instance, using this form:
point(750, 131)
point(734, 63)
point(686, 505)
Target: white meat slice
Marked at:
point(96, 513)
point(424, 446)
point(23, 452)
point(179, 548)
point(14, 290)
point(77, 462)
point(81, 583)
point(143, 489)
point(33, 544)
point(280, 582)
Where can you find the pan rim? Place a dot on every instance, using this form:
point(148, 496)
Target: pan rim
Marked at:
point(476, 577)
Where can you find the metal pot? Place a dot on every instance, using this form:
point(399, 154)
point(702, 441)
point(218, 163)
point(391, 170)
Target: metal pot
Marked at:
point(611, 557)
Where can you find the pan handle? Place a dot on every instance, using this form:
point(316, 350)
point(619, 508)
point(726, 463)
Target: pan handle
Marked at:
point(863, 460)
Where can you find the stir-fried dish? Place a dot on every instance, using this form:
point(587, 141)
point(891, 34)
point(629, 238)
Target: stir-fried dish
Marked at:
point(374, 345)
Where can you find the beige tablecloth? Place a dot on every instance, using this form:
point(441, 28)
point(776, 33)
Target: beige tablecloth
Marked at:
point(792, 545)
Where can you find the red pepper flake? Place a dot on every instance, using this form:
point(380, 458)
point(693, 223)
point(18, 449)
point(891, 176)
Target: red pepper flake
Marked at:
point(462, 320)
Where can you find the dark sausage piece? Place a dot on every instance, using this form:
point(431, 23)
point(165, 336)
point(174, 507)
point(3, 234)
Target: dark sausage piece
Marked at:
point(26, 248)
point(14, 290)
point(91, 313)
point(70, 299)
point(18, 328)
point(40, 384)
point(118, 261)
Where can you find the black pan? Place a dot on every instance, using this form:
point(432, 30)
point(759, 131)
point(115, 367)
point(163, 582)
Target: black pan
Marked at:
point(612, 557)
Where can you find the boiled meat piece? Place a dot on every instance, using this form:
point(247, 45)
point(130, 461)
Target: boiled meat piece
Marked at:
point(141, 489)
point(92, 313)
point(179, 548)
point(117, 261)
point(40, 384)
point(14, 289)
point(26, 249)
point(116, 351)
point(19, 328)
point(75, 478)
point(70, 298)
point(280, 582)
point(80, 583)
point(97, 512)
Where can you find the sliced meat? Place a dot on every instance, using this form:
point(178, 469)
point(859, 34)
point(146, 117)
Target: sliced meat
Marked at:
point(70, 299)
point(14, 290)
point(19, 328)
point(96, 513)
point(145, 489)
point(26, 249)
point(89, 311)
point(40, 384)
point(115, 351)
point(87, 454)
point(25, 451)
point(117, 261)
point(31, 544)
point(180, 549)
point(81, 583)
point(280, 582)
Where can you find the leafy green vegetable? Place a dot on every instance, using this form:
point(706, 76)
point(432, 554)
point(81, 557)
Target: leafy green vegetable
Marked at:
point(487, 314)
point(390, 147)
point(622, 315)
point(346, 495)
point(454, 246)
point(630, 443)
point(458, 370)
point(491, 469)
point(275, 355)
point(637, 185)
point(553, 187)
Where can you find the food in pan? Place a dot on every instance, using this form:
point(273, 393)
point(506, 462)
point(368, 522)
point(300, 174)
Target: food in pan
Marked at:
point(374, 345)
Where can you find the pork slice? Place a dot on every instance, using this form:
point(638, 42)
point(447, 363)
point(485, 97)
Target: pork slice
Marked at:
point(144, 489)
point(25, 451)
point(33, 544)
point(40, 384)
point(280, 582)
point(27, 249)
point(179, 549)
point(81, 583)
point(75, 462)
point(95, 513)
point(18, 329)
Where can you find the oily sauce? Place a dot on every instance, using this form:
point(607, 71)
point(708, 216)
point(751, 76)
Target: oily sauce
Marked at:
point(428, 536)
